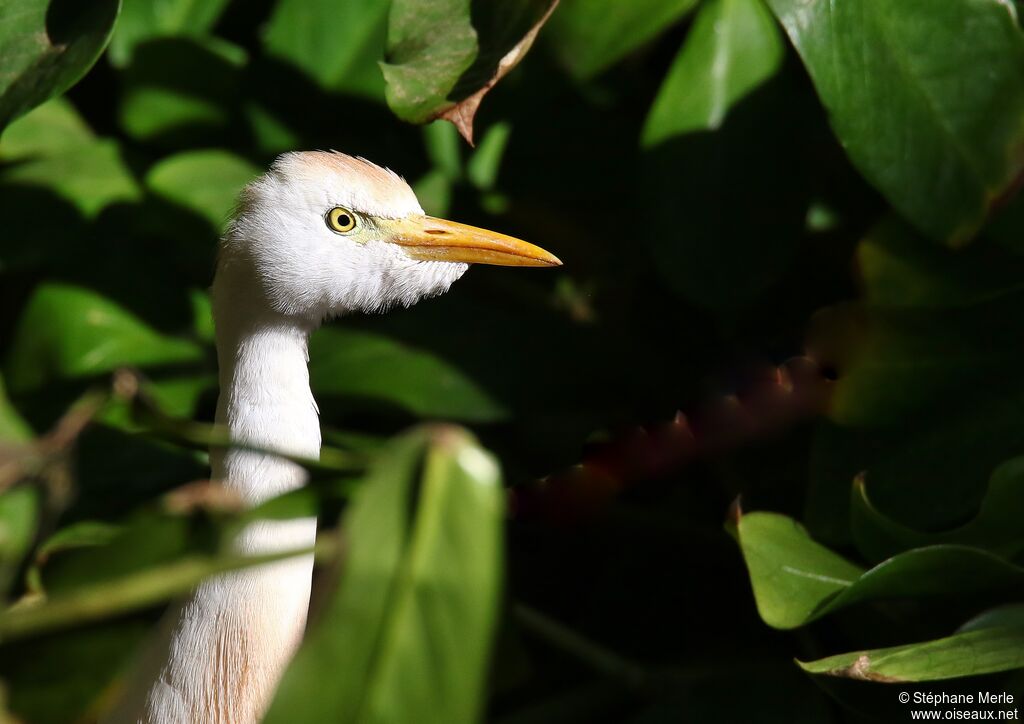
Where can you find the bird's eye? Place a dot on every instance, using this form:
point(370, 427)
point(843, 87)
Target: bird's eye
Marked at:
point(341, 220)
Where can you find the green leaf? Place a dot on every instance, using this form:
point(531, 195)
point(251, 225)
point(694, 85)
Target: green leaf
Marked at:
point(338, 44)
point(895, 361)
point(722, 237)
point(591, 35)
point(928, 100)
point(358, 365)
point(985, 651)
point(68, 332)
point(91, 573)
point(797, 580)
point(61, 679)
point(927, 396)
point(410, 627)
point(900, 268)
point(182, 92)
point(46, 47)
point(206, 182)
point(429, 47)
point(996, 527)
point(12, 427)
point(443, 56)
point(98, 600)
point(484, 165)
point(733, 48)
point(54, 127)
point(91, 176)
point(144, 19)
point(19, 509)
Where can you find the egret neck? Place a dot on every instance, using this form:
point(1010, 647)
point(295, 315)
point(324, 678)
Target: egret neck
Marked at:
point(320, 235)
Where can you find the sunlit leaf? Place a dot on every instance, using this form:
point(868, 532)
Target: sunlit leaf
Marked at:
point(206, 182)
point(144, 19)
point(91, 176)
point(734, 46)
point(19, 509)
point(409, 628)
point(797, 580)
point(12, 427)
point(983, 651)
point(928, 100)
point(359, 366)
point(181, 92)
point(338, 44)
point(53, 127)
point(45, 47)
point(591, 35)
point(67, 332)
point(445, 55)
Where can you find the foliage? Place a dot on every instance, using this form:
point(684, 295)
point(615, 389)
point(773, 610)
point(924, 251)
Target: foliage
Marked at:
point(730, 183)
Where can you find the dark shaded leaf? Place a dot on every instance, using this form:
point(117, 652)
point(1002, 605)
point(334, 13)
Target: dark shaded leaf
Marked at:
point(996, 527)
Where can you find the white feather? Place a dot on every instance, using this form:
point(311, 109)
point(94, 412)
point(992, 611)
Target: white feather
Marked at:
point(221, 651)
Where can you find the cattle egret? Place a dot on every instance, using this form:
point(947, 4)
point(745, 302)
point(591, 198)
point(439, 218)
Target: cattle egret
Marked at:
point(320, 235)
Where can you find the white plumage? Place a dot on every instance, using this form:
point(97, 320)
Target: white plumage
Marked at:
point(283, 268)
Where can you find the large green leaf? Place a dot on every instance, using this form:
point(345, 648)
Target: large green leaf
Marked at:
point(19, 510)
point(797, 580)
point(360, 367)
point(338, 44)
point(409, 628)
point(734, 47)
point(927, 98)
point(45, 47)
point(68, 331)
point(972, 653)
point(144, 19)
point(206, 182)
point(590, 35)
point(443, 56)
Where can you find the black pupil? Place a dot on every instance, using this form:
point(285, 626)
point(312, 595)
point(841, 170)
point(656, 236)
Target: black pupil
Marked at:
point(343, 220)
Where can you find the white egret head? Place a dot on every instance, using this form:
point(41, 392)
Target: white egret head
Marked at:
point(323, 233)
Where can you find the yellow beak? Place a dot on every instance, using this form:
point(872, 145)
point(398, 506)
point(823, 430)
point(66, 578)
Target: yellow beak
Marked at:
point(430, 239)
